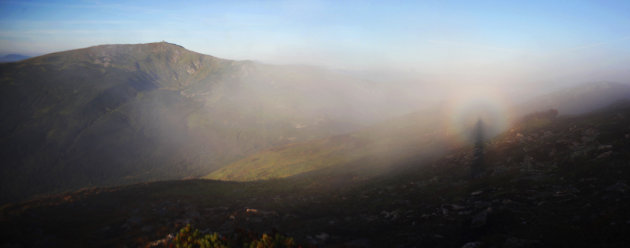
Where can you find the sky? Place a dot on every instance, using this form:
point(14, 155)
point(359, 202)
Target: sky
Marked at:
point(477, 41)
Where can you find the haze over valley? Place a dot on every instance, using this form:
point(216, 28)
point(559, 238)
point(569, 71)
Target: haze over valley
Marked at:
point(314, 124)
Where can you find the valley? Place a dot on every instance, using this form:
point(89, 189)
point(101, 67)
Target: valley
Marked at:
point(120, 114)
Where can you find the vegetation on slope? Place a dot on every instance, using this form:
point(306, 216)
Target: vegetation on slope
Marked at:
point(419, 135)
point(189, 237)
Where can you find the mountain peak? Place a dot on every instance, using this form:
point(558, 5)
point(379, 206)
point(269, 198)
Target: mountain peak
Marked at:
point(122, 53)
point(153, 45)
point(171, 63)
point(144, 48)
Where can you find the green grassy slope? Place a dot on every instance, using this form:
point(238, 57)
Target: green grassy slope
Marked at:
point(412, 136)
point(559, 183)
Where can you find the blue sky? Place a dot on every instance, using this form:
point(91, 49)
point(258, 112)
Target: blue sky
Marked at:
point(466, 37)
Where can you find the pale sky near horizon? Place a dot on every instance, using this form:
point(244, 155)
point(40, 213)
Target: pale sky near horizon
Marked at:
point(480, 40)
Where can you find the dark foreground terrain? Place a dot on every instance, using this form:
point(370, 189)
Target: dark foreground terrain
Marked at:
point(548, 182)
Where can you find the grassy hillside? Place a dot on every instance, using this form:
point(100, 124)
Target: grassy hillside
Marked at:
point(562, 183)
point(413, 136)
point(116, 114)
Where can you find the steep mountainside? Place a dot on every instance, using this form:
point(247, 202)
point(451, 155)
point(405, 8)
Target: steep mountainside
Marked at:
point(116, 114)
point(548, 182)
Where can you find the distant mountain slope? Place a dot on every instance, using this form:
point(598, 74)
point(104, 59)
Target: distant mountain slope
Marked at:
point(13, 58)
point(560, 184)
point(116, 114)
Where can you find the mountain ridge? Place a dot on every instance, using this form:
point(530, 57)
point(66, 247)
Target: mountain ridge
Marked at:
point(115, 114)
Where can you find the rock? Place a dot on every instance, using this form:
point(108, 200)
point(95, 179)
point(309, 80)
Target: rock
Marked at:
point(183, 221)
point(457, 207)
point(193, 214)
point(480, 219)
point(444, 211)
point(604, 155)
point(134, 220)
point(147, 228)
point(362, 242)
point(392, 215)
point(481, 204)
point(322, 237)
point(476, 193)
point(620, 187)
point(369, 218)
point(472, 244)
point(513, 242)
point(576, 219)
point(161, 242)
point(467, 212)
point(528, 163)
point(255, 219)
point(605, 147)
